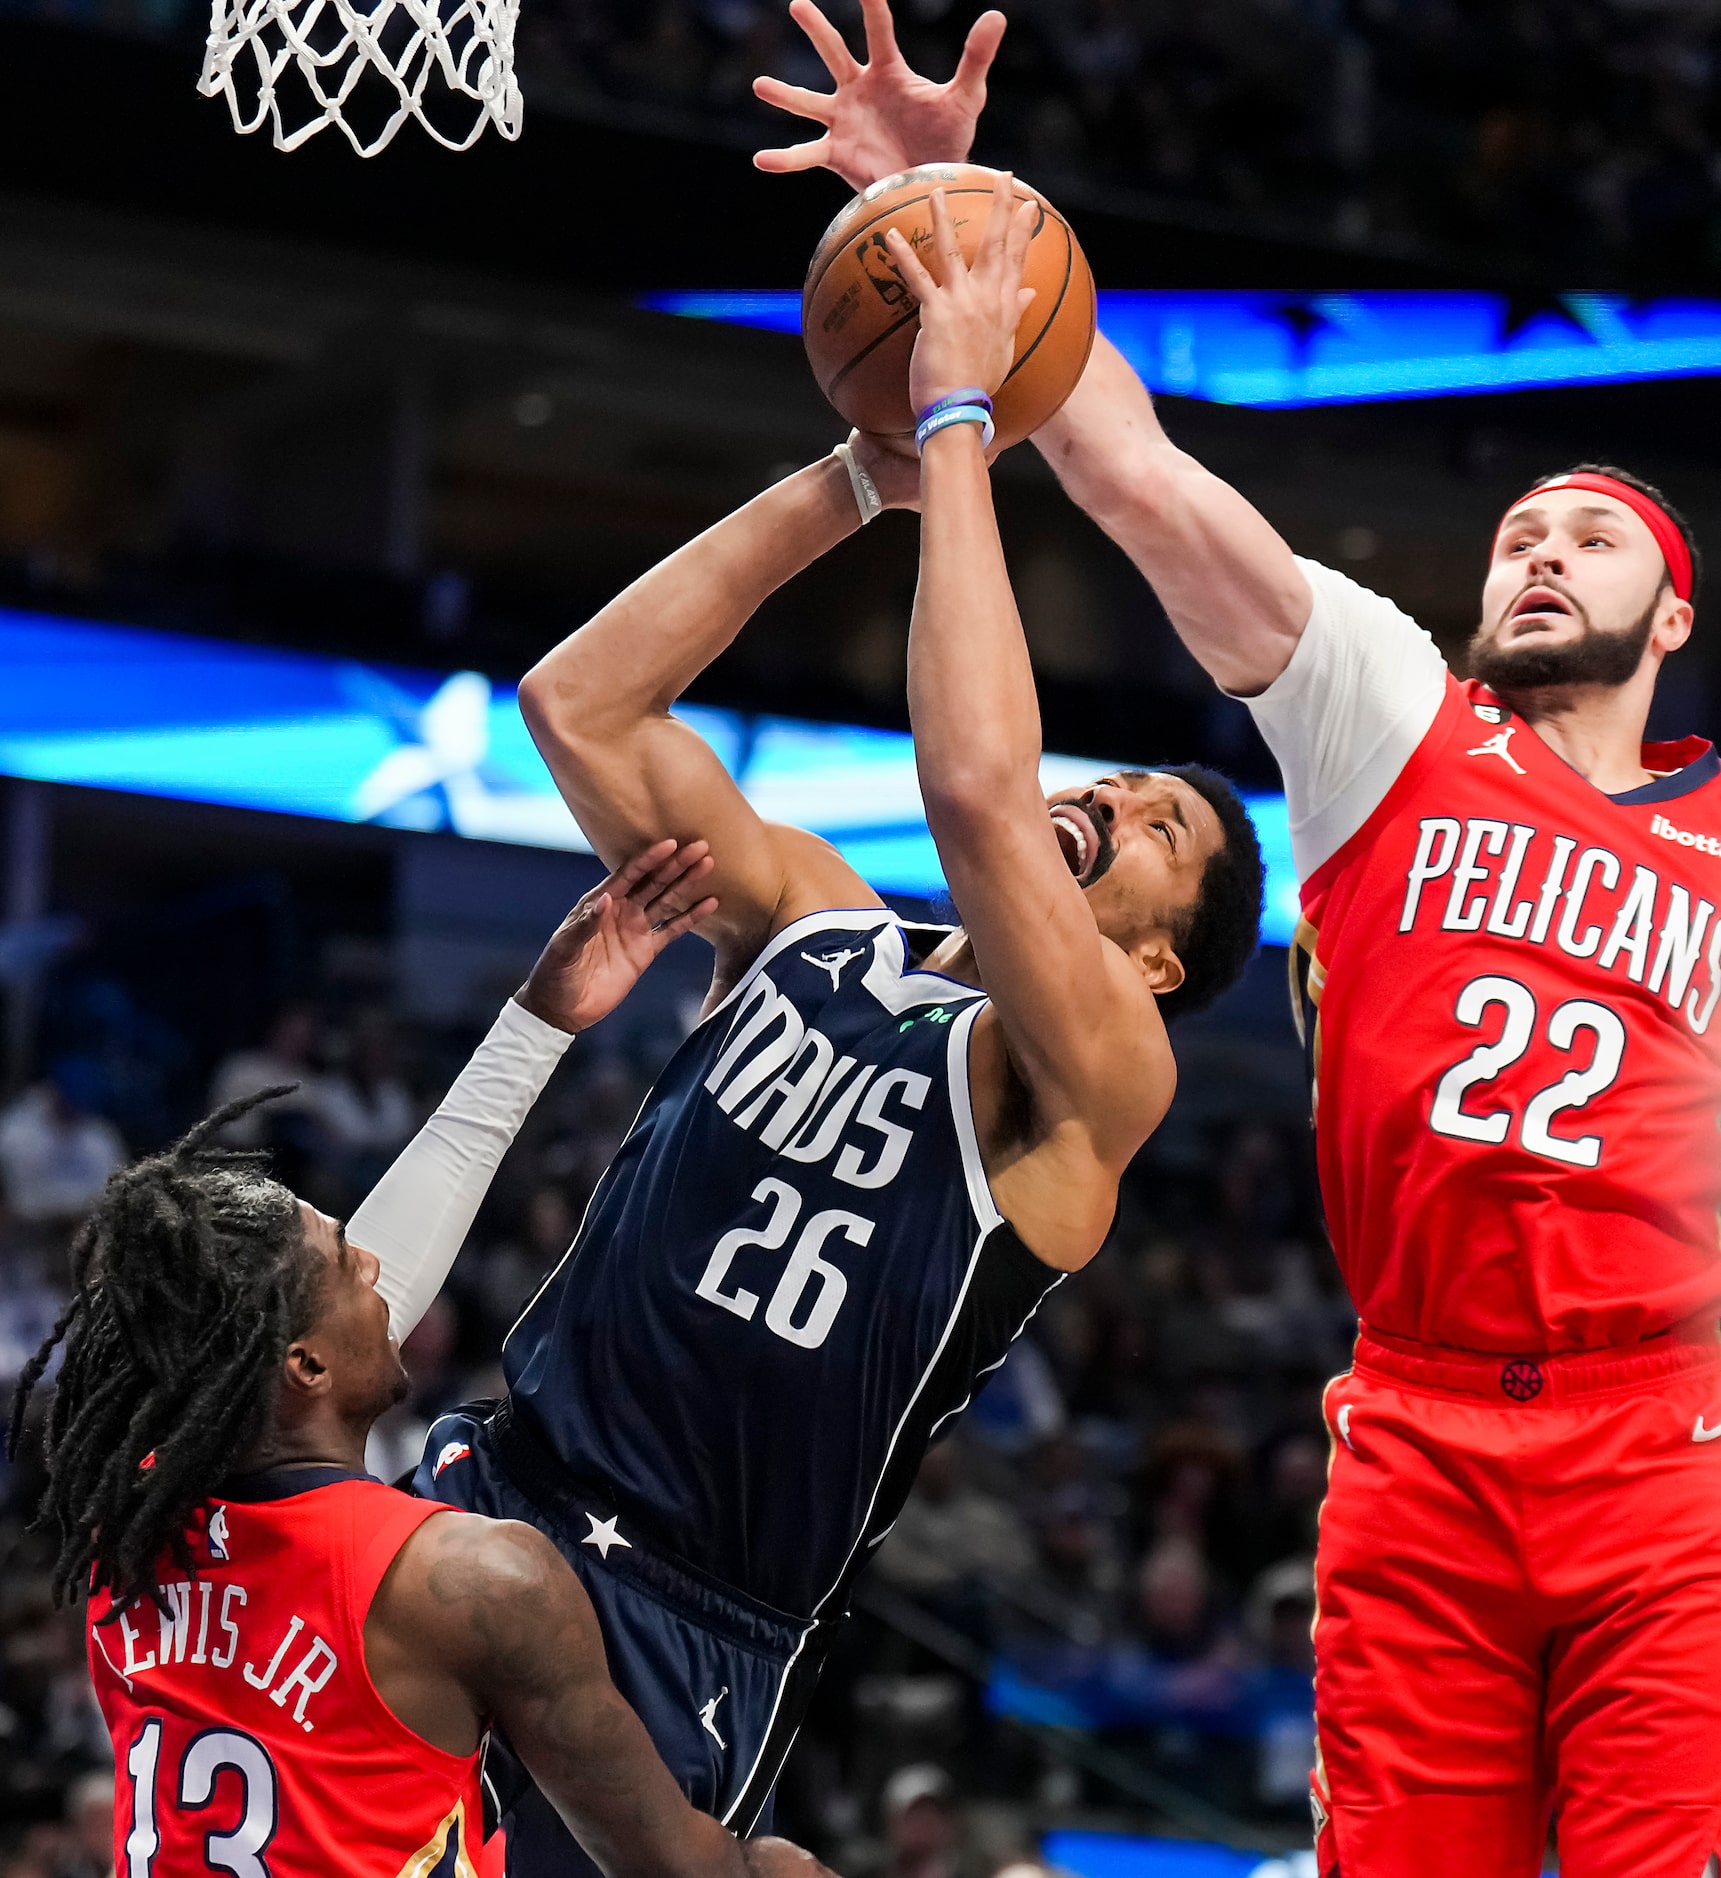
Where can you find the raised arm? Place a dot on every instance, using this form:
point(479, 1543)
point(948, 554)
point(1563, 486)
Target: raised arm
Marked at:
point(1227, 580)
point(481, 1621)
point(1224, 575)
point(598, 706)
point(977, 741)
point(416, 1218)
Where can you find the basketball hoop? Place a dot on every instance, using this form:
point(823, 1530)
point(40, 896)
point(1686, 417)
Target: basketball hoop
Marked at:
point(308, 63)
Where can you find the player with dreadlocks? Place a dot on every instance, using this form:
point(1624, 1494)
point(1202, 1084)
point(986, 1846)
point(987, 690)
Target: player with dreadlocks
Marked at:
point(291, 1657)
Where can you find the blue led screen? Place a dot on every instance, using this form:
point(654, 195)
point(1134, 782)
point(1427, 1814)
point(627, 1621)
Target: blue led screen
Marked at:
point(113, 707)
point(1137, 1855)
point(1282, 350)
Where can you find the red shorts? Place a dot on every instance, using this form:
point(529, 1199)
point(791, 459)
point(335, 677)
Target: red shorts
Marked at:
point(1519, 1586)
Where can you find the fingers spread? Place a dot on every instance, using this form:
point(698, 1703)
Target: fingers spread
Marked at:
point(1020, 233)
point(796, 98)
point(798, 156)
point(998, 219)
point(881, 48)
point(945, 239)
point(669, 929)
point(981, 48)
point(827, 41)
point(920, 283)
point(643, 863)
point(683, 864)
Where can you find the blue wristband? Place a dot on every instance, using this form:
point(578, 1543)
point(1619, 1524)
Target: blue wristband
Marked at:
point(969, 394)
point(938, 420)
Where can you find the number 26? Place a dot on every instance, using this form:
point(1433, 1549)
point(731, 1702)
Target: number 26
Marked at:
point(804, 1266)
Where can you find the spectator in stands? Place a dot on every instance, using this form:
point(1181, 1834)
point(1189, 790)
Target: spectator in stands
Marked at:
point(286, 1055)
point(56, 1153)
point(922, 1825)
point(957, 1550)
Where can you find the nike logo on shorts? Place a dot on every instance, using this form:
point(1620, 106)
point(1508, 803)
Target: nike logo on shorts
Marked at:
point(1700, 1433)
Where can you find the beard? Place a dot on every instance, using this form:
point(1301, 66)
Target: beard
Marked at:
point(1608, 659)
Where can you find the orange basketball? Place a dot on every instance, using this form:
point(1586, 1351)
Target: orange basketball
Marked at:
point(860, 321)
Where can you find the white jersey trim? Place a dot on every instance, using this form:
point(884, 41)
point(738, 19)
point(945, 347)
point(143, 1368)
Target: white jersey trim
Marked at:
point(770, 1726)
point(908, 1408)
point(1344, 717)
point(962, 1113)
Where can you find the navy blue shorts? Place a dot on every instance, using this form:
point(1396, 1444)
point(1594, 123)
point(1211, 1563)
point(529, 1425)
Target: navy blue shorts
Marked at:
point(720, 1681)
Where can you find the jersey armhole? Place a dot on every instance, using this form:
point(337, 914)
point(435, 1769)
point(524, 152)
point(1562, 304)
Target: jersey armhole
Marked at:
point(373, 1557)
point(1434, 740)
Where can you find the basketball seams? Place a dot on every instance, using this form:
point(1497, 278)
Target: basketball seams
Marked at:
point(884, 215)
point(1047, 214)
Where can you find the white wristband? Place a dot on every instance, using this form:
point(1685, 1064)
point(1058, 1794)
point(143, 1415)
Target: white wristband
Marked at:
point(867, 498)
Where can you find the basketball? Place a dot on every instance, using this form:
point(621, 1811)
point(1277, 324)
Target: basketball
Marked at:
point(860, 321)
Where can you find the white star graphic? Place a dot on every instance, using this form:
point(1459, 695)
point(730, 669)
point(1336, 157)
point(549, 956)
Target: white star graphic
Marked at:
point(603, 1535)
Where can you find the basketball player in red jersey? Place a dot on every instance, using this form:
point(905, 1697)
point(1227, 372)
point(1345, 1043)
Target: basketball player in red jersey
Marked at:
point(297, 1663)
point(1511, 957)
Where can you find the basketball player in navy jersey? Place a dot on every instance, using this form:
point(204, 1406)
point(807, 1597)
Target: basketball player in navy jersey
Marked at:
point(876, 1153)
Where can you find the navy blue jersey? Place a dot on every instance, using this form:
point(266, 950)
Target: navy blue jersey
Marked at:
point(792, 1272)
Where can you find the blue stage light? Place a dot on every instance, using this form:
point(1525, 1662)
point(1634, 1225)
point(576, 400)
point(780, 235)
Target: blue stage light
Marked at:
point(112, 707)
point(1280, 351)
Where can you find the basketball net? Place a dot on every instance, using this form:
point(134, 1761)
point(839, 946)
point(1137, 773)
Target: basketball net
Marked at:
point(317, 53)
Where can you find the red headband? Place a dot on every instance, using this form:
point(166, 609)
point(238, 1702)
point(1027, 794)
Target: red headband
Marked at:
point(1659, 523)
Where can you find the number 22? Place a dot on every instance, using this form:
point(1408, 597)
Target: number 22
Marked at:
point(1572, 1091)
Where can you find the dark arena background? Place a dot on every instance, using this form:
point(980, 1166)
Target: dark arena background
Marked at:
point(304, 459)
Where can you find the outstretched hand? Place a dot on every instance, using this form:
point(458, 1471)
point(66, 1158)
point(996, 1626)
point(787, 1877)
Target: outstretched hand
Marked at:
point(968, 315)
point(595, 957)
point(883, 116)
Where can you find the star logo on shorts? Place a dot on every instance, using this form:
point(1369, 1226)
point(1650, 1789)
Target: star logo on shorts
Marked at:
point(604, 1535)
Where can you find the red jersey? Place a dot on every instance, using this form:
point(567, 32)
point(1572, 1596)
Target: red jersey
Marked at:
point(248, 1736)
point(1518, 1075)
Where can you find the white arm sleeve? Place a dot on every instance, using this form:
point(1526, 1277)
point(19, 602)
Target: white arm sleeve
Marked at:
point(1344, 717)
point(417, 1216)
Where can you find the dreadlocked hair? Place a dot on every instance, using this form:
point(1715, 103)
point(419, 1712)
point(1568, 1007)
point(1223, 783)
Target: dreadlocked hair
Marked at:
point(191, 1276)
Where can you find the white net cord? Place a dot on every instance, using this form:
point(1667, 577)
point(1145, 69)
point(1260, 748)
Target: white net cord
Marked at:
point(319, 51)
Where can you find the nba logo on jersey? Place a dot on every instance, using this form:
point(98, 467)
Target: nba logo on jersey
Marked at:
point(218, 1534)
point(455, 1451)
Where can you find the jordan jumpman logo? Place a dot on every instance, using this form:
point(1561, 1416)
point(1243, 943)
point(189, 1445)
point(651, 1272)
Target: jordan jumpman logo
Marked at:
point(1496, 746)
point(834, 963)
point(708, 1718)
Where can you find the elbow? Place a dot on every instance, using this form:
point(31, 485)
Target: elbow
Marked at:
point(537, 695)
point(560, 698)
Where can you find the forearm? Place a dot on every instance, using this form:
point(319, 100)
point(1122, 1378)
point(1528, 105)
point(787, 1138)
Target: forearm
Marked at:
point(1226, 579)
point(1106, 444)
point(643, 650)
point(416, 1218)
point(968, 666)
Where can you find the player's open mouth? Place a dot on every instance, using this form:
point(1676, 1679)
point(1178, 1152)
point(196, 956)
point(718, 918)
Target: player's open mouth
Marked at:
point(1086, 851)
point(1539, 603)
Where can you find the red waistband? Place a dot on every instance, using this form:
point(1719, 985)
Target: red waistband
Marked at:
point(1540, 1381)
